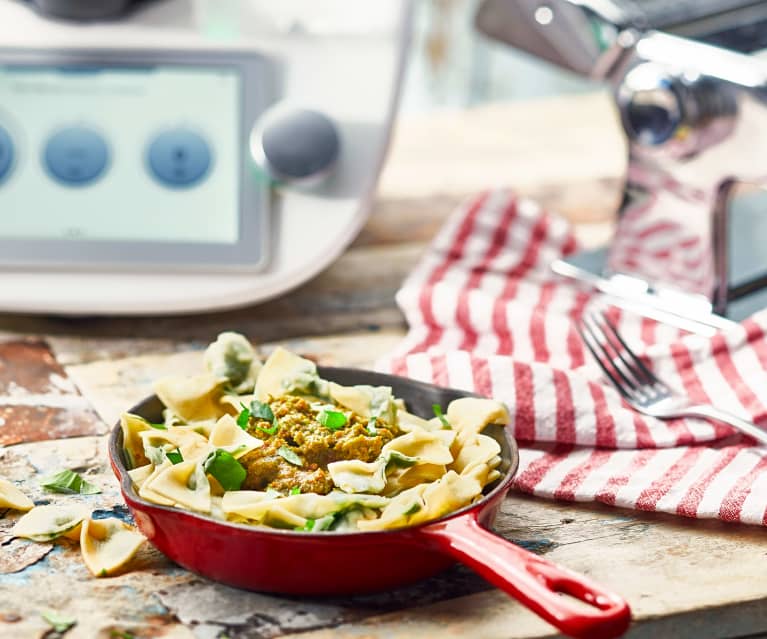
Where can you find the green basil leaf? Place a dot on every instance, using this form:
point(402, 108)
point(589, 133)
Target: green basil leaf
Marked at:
point(260, 410)
point(175, 456)
point(412, 510)
point(438, 413)
point(57, 621)
point(296, 490)
point(244, 417)
point(289, 456)
point(158, 426)
point(332, 419)
point(226, 469)
point(70, 483)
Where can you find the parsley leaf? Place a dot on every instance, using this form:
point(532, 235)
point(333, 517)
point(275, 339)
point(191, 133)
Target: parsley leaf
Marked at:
point(244, 417)
point(174, 456)
point(296, 490)
point(332, 419)
point(438, 413)
point(70, 483)
point(57, 621)
point(289, 456)
point(226, 469)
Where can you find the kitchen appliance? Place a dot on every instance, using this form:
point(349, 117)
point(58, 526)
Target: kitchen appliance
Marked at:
point(173, 156)
point(690, 237)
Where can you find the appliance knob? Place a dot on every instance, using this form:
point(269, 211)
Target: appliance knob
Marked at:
point(650, 105)
point(297, 147)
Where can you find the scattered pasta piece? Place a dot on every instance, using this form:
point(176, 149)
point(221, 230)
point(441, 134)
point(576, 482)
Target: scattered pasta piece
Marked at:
point(45, 523)
point(12, 497)
point(108, 544)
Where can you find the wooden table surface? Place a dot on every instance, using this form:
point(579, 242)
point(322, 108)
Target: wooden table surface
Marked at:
point(64, 380)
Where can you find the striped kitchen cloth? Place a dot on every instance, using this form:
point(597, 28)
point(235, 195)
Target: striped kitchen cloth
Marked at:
point(487, 315)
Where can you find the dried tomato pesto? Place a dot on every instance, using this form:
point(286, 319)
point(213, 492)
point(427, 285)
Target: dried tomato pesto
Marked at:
point(300, 432)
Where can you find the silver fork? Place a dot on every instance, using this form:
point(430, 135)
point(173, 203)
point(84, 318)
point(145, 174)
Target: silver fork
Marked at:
point(640, 387)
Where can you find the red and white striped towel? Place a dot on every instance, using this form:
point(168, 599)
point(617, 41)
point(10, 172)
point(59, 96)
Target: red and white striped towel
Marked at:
point(487, 315)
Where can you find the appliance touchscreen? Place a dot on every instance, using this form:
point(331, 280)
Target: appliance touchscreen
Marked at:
point(132, 160)
point(120, 154)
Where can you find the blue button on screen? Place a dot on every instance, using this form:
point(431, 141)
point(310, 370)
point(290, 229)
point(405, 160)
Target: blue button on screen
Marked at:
point(179, 158)
point(6, 153)
point(76, 156)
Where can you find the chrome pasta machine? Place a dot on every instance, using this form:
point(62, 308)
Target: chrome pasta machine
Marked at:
point(690, 89)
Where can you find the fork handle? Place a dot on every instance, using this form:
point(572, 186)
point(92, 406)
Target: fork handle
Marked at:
point(712, 412)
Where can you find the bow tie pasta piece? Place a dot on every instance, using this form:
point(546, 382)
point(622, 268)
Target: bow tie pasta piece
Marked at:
point(184, 484)
point(158, 443)
point(12, 497)
point(356, 476)
point(232, 359)
point(228, 436)
point(400, 479)
point(191, 398)
point(425, 502)
point(468, 416)
point(133, 446)
point(366, 401)
point(408, 422)
point(285, 372)
point(421, 446)
point(108, 544)
point(45, 523)
point(479, 450)
point(145, 491)
point(139, 475)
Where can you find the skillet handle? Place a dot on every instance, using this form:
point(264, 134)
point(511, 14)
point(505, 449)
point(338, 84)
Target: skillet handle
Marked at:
point(533, 581)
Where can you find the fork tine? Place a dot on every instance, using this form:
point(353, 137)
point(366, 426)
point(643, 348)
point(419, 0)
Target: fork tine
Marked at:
point(612, 355)
point(649, 376)
point(620, 362)
point(591, 342)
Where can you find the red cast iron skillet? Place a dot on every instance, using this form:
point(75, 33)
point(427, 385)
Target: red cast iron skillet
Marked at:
point(305, 563)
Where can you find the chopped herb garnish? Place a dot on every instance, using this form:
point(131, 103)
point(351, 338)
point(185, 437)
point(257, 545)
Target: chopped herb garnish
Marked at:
point(69, 482)
point(332, 419)
point(174, 456)
point(272, 430)
point(158, 426)
point(438, 413)
point(296, 490)
point(289, 456)
point(58, 622)
point(402, 461)
point(371, 427)
point(412, 510)
point(244, 417)
point(226, 469)
point(261, 410)
point(309, 525)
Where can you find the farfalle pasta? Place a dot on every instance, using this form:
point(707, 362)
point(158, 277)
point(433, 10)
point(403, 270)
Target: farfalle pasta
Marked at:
point(276, 445)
